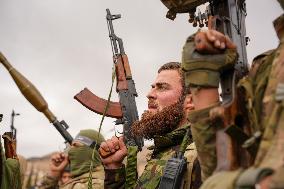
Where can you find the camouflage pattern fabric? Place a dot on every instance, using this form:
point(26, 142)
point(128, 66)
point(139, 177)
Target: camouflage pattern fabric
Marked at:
point(131, 168)
point(115, 178)
point(204, 135)
point(266, 84)
point(80, 182)
point(253, 87)
point(49, 183)
point(224, 180)
point(165, 147)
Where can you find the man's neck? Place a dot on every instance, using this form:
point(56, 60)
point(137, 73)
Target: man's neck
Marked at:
point(183, 122)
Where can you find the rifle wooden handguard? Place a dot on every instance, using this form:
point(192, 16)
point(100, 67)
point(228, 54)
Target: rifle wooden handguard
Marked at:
point(9, 145)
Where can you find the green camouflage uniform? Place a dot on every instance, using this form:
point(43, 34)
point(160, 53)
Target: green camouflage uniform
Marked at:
point(165, 147)
point(203, 133)
point(264, 90)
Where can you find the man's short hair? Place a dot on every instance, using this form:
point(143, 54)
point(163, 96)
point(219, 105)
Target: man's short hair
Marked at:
point(176, 66)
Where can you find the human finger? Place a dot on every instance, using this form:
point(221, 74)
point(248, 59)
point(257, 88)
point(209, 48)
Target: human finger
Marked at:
point(122, 145)
point(229, 43)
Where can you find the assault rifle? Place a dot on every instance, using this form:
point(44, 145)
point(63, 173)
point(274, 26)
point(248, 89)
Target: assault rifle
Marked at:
point(228, 17)
point(10, 139)
point(125, 110)
point(31, 93)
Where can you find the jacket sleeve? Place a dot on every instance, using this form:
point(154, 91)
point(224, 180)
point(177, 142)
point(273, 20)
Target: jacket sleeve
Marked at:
point(115, 178)
point(204, 135)
point(49, 182)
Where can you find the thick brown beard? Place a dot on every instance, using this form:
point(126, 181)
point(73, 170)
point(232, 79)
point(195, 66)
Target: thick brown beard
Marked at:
point(159, 123)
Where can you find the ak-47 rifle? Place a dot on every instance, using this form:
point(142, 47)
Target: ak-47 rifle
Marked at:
point(125, 110)
point(227, 17)
point(10, 139)
point(35, 98)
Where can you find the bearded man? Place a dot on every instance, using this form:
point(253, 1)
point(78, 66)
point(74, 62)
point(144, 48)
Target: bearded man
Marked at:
point(164, 122)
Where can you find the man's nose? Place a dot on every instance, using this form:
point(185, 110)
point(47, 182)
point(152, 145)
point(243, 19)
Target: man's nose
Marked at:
point(151, 94)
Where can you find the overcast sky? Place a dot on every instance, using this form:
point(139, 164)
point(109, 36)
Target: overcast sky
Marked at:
point(62, 46)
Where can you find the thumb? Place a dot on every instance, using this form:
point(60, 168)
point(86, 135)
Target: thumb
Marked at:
point(121, 143)
point(64, 163)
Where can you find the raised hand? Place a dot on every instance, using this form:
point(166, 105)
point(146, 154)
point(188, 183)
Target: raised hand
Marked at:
point(58, 162)
point(117, 150)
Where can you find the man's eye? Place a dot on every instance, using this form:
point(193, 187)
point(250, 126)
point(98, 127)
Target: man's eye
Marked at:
point(163, 87)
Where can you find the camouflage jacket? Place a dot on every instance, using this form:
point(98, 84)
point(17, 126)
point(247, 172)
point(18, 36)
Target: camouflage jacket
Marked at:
point(164, 148)
point(80, 182)
point(264, 88)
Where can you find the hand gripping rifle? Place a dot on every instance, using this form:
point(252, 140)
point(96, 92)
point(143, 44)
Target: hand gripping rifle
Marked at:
point(31, 93)
point(125, 110)
point(227, 17)
point(10, 139)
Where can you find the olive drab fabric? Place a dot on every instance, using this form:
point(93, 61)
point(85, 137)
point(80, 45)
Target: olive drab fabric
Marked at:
point(92, 134)
point(81, 157)
point(204, 69)
point(11, 175)
point(80, 160)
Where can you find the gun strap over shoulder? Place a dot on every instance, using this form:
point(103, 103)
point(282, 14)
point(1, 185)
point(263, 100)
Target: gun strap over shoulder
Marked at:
point(131, 167)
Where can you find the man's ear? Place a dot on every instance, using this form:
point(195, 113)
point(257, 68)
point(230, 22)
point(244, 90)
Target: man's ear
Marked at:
point(188, 103)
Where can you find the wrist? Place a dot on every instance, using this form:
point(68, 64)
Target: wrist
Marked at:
point(113, 165)
point(54, 174)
